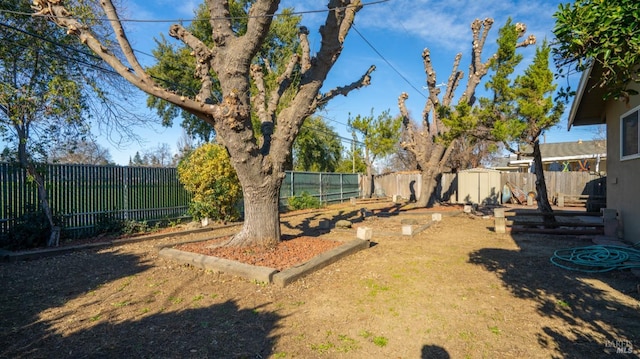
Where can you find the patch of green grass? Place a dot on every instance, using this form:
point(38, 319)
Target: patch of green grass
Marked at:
point(347, 344)
point(145, 310)
point(563, 304)
point(323, 347)
point(280, 355)
point(197, 298)
point(466, 335)
point(380, 341)
point(495, 330)
point(95, 317)
point(175, 300)
point(121, 304)
point(375, 288)
point(126, 283)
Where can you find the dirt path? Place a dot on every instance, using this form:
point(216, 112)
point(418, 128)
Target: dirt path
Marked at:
point(455, 290)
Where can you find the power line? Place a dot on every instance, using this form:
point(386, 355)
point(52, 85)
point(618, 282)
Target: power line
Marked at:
point(94, 66)
point(213, 18)
point(387, 61)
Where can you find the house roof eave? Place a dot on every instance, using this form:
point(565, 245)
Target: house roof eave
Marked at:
point(588, 105)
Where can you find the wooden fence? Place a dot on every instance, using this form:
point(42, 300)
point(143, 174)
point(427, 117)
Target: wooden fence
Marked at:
point(81, 195)
point(570, 183)
point(407, 184)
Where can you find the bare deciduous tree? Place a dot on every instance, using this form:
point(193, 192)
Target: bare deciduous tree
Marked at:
point(258, 162)
point(433, 142)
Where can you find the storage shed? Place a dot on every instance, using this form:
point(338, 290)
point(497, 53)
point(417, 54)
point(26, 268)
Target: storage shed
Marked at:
point(480, 186)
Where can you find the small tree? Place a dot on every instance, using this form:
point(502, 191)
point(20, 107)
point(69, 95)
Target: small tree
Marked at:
point(317, 147)
point(380, 136)
point(520, 111)
point(207, 173)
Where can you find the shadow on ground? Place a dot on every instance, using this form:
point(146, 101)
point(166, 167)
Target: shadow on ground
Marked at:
point(596, 320)
point(220, 330)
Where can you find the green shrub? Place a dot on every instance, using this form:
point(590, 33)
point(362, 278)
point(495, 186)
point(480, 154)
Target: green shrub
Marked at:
point(30, 230)
point(208, 174)
point(135, 227)
point(303, 201)
point(108, 223)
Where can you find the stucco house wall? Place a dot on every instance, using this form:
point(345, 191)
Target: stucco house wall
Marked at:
point(623, 175)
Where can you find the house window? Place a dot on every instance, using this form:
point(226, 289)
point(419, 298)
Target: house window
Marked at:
point(629, 138)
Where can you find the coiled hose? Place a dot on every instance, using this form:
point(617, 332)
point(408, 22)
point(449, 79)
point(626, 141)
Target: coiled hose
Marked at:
point(597, 258)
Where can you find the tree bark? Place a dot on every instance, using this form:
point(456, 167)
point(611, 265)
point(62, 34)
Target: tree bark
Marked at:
point(260, 227)
point(542, 197)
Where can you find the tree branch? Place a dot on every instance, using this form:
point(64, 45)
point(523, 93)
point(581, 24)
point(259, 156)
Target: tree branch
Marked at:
point(220, 21)
point(365, 80)
point(283, 82)
point(121, 36)
point(203, 56)
point(453, 82)
point(53, 11)
point(477, 69)
point(303, 35)
point(260, 17)
point(433, 101)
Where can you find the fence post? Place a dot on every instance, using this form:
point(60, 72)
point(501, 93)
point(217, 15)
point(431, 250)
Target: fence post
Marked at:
point(292, 182)
point(320, 191)
point(341, 187)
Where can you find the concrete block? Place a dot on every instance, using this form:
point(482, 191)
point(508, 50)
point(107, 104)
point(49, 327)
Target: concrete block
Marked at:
point(529, 201)
point(324, 224)
point(500, 225)
point(560, 200)
point(364, 233)
point(353, 201)
point(407, 230)
point(343, 224)
point(397, 198)
point(436, 217)
point(409, 221)
point(467, 208)
point(609, 213)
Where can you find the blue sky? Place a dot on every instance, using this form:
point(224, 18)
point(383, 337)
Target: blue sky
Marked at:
point(391, 35)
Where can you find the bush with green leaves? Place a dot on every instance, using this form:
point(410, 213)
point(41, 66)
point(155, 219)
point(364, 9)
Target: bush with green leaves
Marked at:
point(30, 230)
point(303, 201)
point(207, 173)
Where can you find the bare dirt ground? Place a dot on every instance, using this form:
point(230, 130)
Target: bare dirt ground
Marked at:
point(455, 290)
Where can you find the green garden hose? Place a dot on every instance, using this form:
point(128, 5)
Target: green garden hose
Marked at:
point(596, 259)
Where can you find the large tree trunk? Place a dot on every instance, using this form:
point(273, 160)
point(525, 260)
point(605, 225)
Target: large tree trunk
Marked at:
point(261, 224)
point(541, 185)
point(431, 171)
